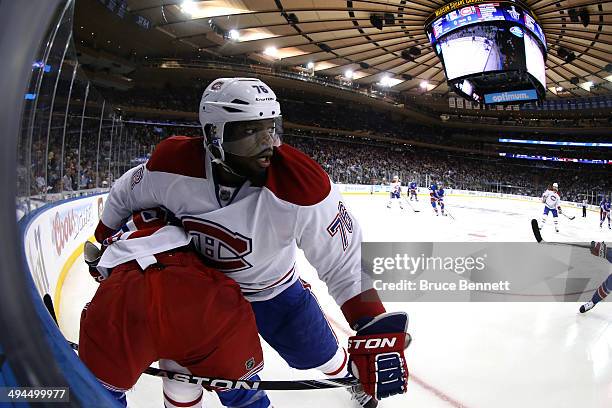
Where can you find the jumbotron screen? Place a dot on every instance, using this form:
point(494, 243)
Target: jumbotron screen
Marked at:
point(500, 39)
point(480, 13)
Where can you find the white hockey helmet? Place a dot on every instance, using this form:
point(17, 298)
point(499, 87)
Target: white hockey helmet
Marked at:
point(235, 100)
point(555, 186)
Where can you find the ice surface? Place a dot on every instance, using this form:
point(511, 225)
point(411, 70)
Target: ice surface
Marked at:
point(472, 355)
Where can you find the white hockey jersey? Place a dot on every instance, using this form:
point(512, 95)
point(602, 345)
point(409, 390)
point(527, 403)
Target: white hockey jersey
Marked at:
point(396, 186)
point(254, 236)
point(551, 199)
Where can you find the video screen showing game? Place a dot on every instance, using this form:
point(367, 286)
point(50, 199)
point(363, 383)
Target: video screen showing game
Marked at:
point(534, 59)
point(477, 49)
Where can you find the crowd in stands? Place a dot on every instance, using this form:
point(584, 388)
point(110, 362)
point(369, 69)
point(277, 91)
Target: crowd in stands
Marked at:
point(368, 163)
point(346, 160)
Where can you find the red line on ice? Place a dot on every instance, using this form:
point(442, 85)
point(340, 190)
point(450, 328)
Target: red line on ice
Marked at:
point(435, 391)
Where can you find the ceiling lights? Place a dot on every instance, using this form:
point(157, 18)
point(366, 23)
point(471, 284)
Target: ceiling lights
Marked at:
point(271, 52)
point(388, 82)
point(210, 8)
point(233, 35)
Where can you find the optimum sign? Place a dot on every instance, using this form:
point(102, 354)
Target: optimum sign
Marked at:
point(514, 96)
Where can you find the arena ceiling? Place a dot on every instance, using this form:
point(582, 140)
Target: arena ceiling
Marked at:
point(337, 36)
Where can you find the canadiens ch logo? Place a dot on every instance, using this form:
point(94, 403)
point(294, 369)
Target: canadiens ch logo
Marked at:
point(224, 249)
point(137, 176)
point(216, 86)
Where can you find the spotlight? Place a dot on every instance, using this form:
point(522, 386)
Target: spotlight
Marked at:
point(389, 18)
point(310, 65)
point(566, 55)
point(416, 51)
point(562, 52)
point(324, 47)
point(406, 55)
point(377, 21)
point(348, 74)
point(585, 17)
point(424, 84)
point(292, 18)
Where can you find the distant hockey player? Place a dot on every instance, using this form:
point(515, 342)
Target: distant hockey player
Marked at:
point(433, 197)
point(551, 201)
point(249, 202)
point(412, 191)
point(441, 199)
point(604, 212)
point(599, 249)
point(158, 301)
point(584, 205)
point(396, 192)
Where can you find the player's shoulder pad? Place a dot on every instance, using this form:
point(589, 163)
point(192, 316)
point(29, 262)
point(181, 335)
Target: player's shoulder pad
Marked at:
point(182, 155)
point(296, 178)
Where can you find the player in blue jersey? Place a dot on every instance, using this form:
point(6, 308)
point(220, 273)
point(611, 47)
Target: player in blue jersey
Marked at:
point(599, 249)
point(396, 192)
point(433, 197)
point(412, 191)
point(441, 200)
point(604, 212)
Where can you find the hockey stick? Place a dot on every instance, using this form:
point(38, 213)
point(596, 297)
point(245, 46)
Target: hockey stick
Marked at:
point(538, 236)
point(410, 205)
point(567, 216)
point(266, 385)
point(449, 214)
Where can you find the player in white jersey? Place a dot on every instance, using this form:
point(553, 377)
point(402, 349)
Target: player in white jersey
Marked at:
point(551, 200)
point(249, 202)
point(396, 192)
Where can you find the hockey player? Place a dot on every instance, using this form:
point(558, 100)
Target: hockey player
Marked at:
point(599, 249)
point(441, 199)
point(412, 191)
point(604, 212)
point(551, 200)
point(249, 202)
point(158, 301)
point(433, 197)
point(396, 192)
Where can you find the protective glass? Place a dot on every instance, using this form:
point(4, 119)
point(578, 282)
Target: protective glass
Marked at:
point(251, 138)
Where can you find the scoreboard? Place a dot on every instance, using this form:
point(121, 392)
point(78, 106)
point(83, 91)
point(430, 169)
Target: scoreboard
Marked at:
point(492, 52)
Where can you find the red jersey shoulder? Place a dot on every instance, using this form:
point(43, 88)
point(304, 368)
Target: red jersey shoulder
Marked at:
point(296, 178)
point(179, 155)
